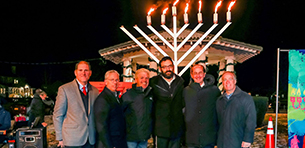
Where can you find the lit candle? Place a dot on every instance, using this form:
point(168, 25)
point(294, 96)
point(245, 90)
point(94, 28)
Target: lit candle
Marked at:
point(149, 17)
point(215, 18)
point(174, 9)
point(163, 16)
point(186, 20)
point(229, 11)
point(228, 16)
point(199, 15)
point(148, 20)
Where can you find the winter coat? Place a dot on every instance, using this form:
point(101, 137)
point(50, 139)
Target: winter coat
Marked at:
point(5, 119)
point(109, 121)
point(169, 120)
point(37, 109)
point(200, 113)
point(237, 119)
point(137, 106)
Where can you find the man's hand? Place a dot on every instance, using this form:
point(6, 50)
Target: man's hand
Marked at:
point(60, 144)
point(245, 144)
point(44, 124)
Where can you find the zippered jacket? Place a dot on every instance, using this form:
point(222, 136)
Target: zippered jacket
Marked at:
point(137, 106)
point(168, 105)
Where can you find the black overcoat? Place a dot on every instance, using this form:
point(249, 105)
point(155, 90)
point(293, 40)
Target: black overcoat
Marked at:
point(200, 113)
point(137, 105)
point(109, 121)
point(237, 119)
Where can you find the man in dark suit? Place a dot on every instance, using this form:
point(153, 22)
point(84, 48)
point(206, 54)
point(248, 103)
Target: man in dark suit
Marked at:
point(73, 117)
point(109, 116)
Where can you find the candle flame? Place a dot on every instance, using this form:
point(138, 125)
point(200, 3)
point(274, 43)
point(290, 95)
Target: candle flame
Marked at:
point(186, 7)
point(164, 11)
point(175, 3)
point(218, 4)
point(231, 5)
point(200, 4)
point(151, 10)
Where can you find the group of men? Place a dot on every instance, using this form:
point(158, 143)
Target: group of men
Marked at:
point(196, 116)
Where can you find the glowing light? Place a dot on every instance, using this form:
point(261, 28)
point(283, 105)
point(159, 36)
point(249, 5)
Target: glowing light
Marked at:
point(186, 7)
point(150, 11)
point(200, 5)
point(218, 5)
point(165, 10)
point(175, 3)
point(231, 5)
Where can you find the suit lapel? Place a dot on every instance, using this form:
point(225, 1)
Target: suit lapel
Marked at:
point(79, 97)
point(91, 98)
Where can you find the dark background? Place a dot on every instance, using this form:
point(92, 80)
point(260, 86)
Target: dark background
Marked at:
point(43, 39)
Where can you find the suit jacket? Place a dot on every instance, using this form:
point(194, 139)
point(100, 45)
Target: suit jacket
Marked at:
point(109, 121)
point(71, 123)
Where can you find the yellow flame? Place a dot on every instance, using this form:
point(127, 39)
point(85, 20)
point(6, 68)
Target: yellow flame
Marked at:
point(231, 5)
point(151, 10)
point(218, 4)
point(175, 3)
point(200, 4)
point(164, 11)
point(186, 7)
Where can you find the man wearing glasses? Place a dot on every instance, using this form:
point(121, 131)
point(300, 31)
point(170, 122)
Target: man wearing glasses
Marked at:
point(109, 115)
point(168, 99)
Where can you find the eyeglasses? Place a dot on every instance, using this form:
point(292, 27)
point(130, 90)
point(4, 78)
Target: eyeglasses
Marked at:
point(114, 80)
point(168, 66)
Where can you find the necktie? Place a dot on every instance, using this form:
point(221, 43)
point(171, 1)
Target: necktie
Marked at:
point(84, 91)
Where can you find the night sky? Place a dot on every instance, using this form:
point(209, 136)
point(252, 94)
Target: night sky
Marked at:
point(61, 31)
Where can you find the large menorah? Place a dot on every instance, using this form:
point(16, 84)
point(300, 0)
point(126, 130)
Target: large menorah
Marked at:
point(175, 34)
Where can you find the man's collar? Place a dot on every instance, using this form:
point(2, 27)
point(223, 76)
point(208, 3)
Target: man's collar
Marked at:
point(80, 85)
point(169, 82)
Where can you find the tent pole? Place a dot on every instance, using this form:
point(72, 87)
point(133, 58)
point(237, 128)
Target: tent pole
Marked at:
point(277, 94)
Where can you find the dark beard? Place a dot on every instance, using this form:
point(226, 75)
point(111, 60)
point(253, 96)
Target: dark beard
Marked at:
point(167, 76)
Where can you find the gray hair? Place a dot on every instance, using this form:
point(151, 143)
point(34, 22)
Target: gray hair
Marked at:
point(141, 70)
point(110, 72)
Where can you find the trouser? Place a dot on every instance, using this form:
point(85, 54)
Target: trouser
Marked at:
point(140, 144)
point(167, 142)
point(208, 146)
point(86, 145)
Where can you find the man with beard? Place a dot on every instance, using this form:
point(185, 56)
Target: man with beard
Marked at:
point(236, 115)
point(200, 109)
point(168, 99)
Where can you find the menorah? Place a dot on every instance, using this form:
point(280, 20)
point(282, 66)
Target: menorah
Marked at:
point(175, 34)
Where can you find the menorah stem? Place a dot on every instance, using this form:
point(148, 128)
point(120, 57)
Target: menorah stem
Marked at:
point(161, 37)
point(205, 47)
point(189, 36)
point(139, 43)
point(197, 43)
point(149, 40)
